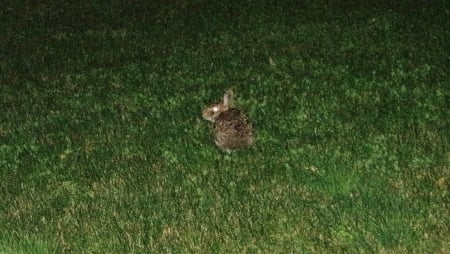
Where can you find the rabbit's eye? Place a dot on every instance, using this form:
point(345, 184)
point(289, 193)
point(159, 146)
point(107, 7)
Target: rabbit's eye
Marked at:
point(216, 108)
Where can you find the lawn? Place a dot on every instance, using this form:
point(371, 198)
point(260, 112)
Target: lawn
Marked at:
point(103, 148)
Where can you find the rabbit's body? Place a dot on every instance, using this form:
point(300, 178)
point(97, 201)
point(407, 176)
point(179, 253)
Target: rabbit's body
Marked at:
point(232, 128)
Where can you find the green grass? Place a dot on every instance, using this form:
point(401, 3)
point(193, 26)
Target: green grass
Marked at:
point(103, 149)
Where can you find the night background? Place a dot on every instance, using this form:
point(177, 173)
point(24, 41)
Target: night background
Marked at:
point(103, 148)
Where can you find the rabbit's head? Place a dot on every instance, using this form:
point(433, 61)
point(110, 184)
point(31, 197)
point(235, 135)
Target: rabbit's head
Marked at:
point(211, 112)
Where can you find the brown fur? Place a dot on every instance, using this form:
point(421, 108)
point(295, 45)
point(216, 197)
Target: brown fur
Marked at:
point(232, 128)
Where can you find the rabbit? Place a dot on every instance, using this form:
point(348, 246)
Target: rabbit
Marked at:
point(232, 128)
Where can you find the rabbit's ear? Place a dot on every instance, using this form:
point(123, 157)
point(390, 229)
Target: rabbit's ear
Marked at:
point(228, 97)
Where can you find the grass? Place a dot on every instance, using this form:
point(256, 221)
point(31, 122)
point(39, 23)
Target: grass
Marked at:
point(103, 149)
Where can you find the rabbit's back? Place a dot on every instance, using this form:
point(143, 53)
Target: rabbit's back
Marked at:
point(233, 130)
